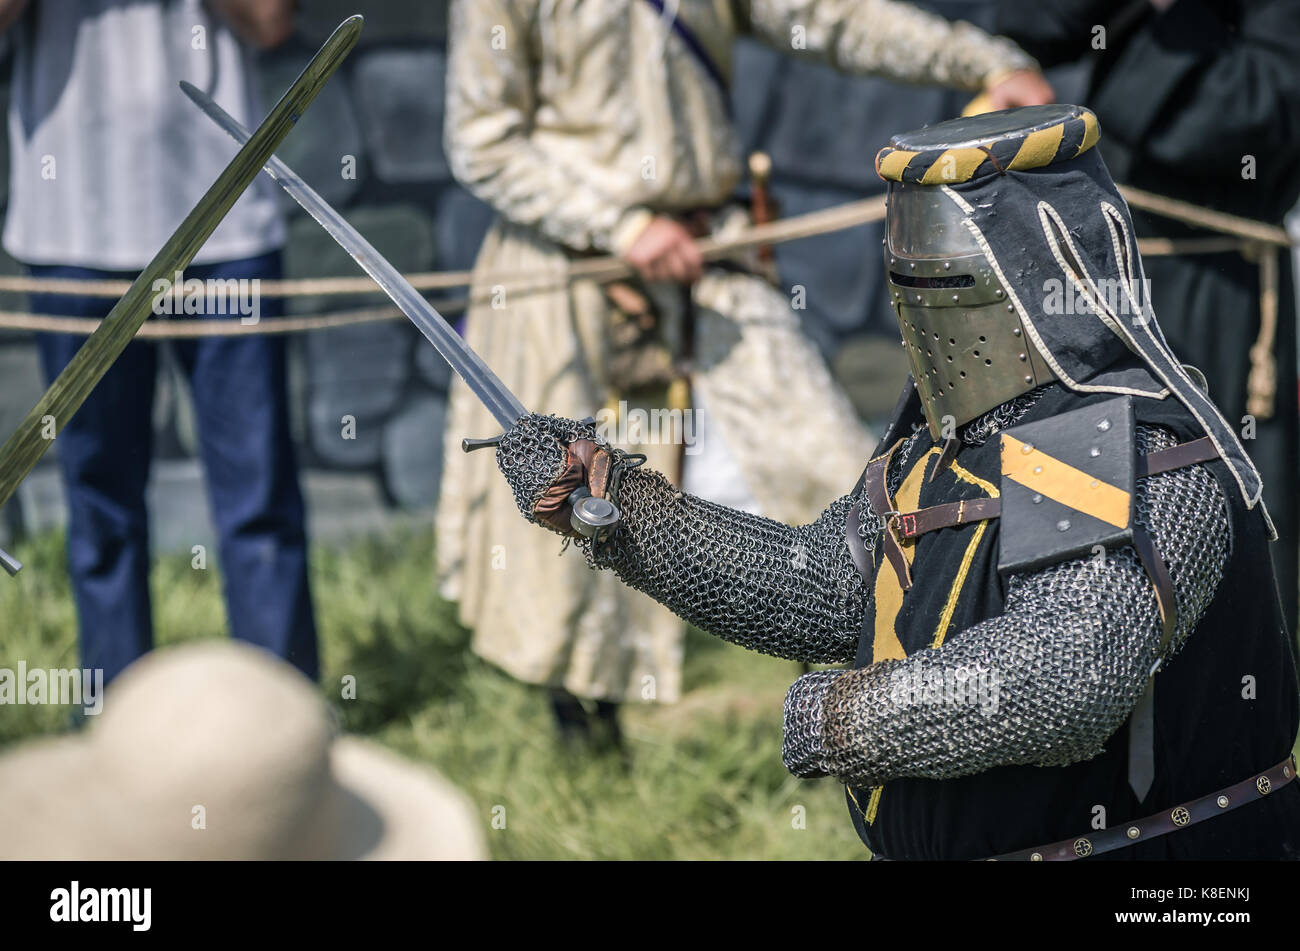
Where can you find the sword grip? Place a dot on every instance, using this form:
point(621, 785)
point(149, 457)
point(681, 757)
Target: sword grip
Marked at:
point(9, 563)
point(469, 445)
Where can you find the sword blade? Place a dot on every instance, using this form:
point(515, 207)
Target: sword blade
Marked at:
point(485, 384)
point(69, 390)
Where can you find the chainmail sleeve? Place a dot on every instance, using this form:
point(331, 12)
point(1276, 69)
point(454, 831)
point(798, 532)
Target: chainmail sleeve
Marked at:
point(788, 591)
point(1044, 683)
point(792, 592)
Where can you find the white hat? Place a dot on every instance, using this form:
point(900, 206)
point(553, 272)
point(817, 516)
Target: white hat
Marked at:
point(219, 750)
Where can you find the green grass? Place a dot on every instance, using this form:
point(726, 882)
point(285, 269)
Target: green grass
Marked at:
point(705, 780)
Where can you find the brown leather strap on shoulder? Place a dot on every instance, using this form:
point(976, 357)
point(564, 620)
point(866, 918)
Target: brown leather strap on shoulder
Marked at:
point(853, 534)
point(912, 525)
point(883, 505)
point(1158, 572)
point(1176, 457)
point(947, 515)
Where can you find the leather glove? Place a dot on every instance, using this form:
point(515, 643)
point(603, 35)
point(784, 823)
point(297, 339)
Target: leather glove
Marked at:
point(544, 458)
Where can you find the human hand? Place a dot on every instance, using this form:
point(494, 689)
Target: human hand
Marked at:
point(665, 251)
point(263, 24)
point(1024, 87)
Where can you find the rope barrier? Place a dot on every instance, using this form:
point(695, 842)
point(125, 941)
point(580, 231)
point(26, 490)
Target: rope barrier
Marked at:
point(1239, 234)
point(1245, 228)
point(180, 328)
point(599, 269)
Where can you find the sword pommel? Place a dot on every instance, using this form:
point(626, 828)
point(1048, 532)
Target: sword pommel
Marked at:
point(589, 515)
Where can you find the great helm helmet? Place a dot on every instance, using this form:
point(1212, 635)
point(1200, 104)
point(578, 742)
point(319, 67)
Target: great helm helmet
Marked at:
point(993, 220)
point(965, 342)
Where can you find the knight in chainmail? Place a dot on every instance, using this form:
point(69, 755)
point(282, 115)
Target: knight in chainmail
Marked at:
point(1054, 587)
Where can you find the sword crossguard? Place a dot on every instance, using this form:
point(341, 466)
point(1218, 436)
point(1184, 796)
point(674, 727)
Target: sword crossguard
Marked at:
point(469, 445)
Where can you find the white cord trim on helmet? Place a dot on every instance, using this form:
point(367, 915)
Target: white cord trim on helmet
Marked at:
point(1124, 257)
point(962, 203)
point(1113, 218)
point(1030, 328)
point(1092, 293)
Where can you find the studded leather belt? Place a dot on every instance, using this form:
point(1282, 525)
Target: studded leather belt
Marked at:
point(1162, 823)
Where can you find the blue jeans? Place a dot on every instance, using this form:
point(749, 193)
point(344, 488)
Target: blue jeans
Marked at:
point(241, 407)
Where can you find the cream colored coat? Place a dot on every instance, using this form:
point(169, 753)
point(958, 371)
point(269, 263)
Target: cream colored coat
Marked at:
point(578, 120)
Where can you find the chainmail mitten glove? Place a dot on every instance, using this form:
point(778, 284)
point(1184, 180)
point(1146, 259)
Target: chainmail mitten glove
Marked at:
point(544, 458)
point(802, 750)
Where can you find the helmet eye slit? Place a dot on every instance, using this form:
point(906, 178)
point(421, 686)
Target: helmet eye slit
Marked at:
point(932, 283)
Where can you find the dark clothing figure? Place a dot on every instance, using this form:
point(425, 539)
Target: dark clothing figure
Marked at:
point(1201, 102)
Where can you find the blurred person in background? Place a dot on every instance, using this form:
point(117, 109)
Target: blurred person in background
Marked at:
point(1200, 101)
point(598, 128)
point(106, 159)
